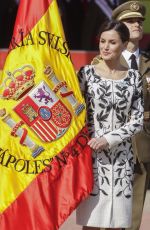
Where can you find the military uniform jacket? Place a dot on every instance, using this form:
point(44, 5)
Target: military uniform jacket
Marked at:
point(141, 141)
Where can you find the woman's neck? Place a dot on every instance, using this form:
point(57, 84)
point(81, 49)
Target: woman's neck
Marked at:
point(112, 66)
point(110, 69)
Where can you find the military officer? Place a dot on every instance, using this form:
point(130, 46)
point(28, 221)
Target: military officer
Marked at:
point(132, 13)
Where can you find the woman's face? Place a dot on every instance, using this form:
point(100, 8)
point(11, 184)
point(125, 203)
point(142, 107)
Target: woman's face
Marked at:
point(111, 45)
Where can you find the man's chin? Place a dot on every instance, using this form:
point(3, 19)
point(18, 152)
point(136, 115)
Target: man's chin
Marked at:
point(136, 38)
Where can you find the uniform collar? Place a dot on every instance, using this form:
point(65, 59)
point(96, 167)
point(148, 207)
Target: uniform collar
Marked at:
point(127, 54)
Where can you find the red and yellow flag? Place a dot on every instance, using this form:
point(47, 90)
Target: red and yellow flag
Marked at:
point(45, 162)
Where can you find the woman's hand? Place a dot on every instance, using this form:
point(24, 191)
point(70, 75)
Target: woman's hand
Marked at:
point(98, 143)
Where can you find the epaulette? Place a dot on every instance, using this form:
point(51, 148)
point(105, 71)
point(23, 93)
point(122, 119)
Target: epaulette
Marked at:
point(96, 60)
point(146, 54)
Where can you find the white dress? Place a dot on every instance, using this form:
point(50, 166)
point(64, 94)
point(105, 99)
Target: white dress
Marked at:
point(115, 111)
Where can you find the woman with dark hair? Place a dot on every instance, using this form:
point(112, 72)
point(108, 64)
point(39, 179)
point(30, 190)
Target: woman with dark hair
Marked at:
point(113, 97)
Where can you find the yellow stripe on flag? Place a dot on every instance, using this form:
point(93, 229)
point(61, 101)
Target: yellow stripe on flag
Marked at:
point(44, 45)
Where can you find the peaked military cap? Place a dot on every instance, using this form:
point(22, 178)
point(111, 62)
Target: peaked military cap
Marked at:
point(130, 9)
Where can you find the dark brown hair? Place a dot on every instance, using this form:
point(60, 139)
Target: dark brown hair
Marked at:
point(118, 26)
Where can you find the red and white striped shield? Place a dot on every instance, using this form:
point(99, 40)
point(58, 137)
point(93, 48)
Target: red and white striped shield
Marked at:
point(44, 113)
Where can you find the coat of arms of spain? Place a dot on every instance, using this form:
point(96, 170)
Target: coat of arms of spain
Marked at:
point(38, 106)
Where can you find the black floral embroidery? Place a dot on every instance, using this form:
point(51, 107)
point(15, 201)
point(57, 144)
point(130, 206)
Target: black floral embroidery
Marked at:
point(114, 108)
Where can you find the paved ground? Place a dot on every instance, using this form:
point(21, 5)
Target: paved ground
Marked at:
point(145, 225)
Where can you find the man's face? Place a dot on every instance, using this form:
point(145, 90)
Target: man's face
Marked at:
point(135, 26)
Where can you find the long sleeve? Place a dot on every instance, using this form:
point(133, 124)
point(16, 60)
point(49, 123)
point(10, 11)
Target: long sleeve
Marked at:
point(135, 123)
point(85, 76)
point(82, 79)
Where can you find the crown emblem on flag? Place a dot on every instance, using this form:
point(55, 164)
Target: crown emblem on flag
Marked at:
point(18, 83)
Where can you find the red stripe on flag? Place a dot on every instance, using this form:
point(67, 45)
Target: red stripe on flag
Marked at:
point(52, 195)
point(29, 13)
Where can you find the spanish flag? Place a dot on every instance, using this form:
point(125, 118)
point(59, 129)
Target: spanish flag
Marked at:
point(45, 162)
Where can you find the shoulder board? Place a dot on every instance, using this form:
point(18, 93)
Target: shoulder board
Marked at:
point(146, 55)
